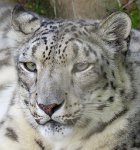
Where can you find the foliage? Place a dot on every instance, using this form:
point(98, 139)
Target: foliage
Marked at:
point(42, 7)
point(132, 8)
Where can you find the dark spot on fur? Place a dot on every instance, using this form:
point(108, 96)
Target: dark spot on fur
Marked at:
point(9, 117)
point(100, 128)
point(105, 75)
point(34, 49)
point(113, 74)
point(66, 42)
point(33, 19)
point(44, 38)
point(107, 62)
point(79, 148)
point(106, 86)
point(111, 99)
point(136, 139)
point(136, 38)
point(101, 68)
point(25, 86)
point(26, 102)
point(102, 57)
point(66, 30)
point(85, 33)
point(94, 52)
point(136, 144)
point(75, 50)
point(85, 123)
point(2, 122)
point(101, 107)
point(64, 49)
point(86, 52)
point(49, 53)
point(40, 144)
point(121, 92)
point(73, 28)
point(112, 85)
point(36, 40)
point(58, 51)
point(51, 47)
point(76, 35)
point(12, 102)
point(10, 133)
point(121, 147)
point(46, 47)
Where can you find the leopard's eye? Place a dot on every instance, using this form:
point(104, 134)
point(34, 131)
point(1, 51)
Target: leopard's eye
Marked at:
point(30, 66)
point(80, 67)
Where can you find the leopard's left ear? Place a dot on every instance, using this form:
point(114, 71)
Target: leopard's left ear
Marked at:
point(116, 26)
point(25, 21)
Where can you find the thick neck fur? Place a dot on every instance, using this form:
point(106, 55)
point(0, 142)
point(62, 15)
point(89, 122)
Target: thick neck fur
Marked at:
point(105, 139)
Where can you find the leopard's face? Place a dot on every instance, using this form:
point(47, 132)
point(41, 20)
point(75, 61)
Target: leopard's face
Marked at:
point(67, 81)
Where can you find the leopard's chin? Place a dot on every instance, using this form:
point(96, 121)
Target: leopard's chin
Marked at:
point(55, 130)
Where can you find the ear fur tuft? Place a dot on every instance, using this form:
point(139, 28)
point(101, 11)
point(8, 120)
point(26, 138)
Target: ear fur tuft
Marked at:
point(116, 26)
point(25, 21)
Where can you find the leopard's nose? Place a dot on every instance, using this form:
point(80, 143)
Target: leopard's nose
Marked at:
point(49, 109)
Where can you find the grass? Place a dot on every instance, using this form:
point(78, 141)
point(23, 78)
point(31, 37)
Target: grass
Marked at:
point(41, 7)
point(133, 11)
point(135, 17)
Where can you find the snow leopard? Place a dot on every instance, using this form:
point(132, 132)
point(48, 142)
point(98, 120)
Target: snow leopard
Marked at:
point(76, 83)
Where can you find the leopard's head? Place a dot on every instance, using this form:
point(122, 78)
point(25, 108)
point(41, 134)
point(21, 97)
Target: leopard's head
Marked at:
point(73, 77)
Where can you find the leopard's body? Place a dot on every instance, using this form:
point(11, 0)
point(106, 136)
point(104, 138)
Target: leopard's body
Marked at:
point(78, 84)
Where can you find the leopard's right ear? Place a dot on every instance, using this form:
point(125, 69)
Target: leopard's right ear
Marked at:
point(25, 21)
point(116, 26)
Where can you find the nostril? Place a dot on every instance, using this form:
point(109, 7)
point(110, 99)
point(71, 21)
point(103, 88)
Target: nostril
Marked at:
point(57, 107)
point(50, 109)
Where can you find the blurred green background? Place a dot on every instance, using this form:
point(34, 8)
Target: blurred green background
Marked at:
point(92, 9)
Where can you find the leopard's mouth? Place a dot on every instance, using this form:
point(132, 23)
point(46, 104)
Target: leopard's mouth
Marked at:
point(50, 127)
point(45, 122)
point(53, 122)
point(42, 121)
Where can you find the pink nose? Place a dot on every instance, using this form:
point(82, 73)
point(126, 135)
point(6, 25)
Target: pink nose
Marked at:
point(48, 109)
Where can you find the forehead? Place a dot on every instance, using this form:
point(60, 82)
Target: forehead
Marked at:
point(60, 42)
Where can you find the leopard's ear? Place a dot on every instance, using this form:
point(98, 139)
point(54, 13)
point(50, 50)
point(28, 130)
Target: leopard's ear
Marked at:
point(25, 21)
point(116, 26)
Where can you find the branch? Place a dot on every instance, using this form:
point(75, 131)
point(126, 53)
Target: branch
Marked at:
point(130, 2)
